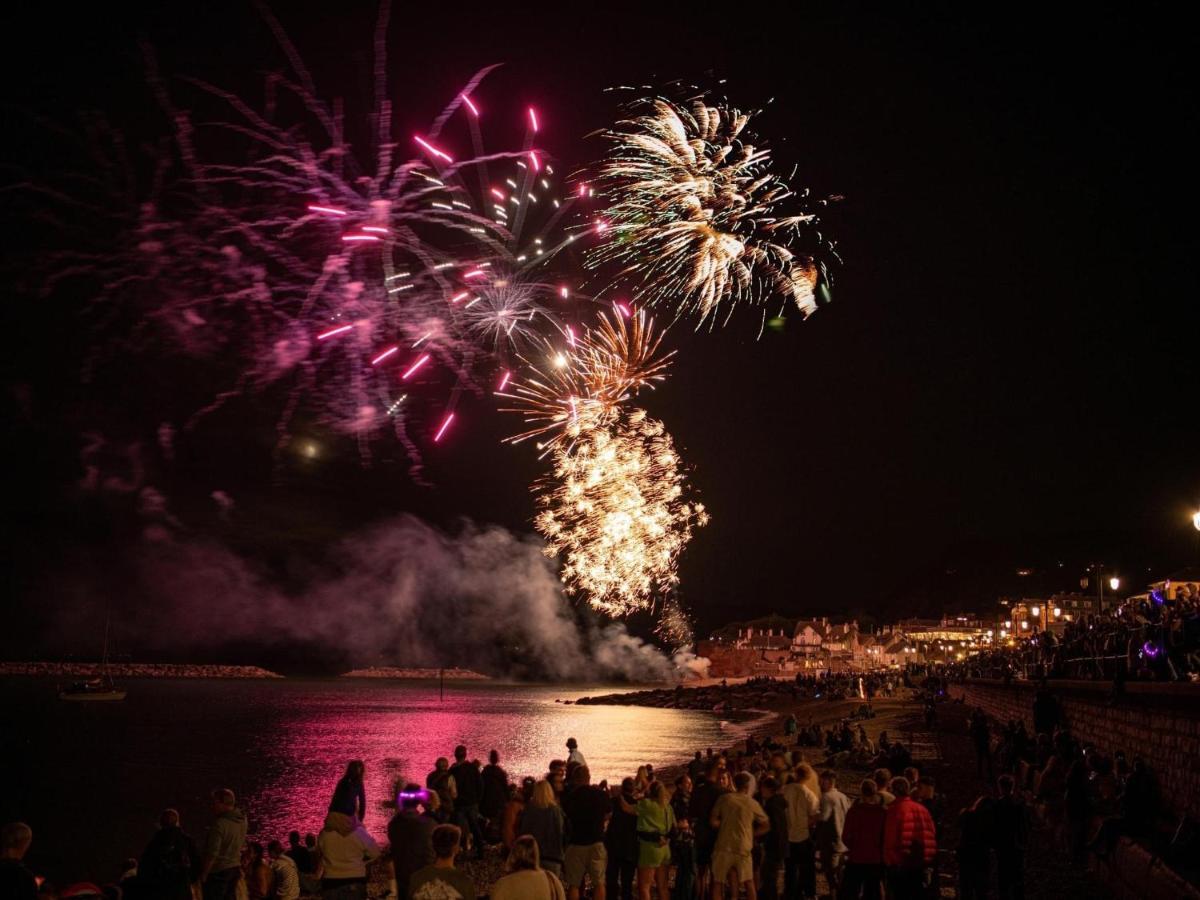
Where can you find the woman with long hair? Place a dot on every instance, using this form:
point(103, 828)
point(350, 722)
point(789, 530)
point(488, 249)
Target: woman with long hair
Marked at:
point(349, 797)
point(655, 828)
point(526, 879)
point(543, 820)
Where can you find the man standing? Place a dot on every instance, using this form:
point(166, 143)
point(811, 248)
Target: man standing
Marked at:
point(909, 843)
point(469, 786)
point(800, 871)
point(587, 810)
point(621, 844)
point(16, 881)
point(862, 834)
point(834, 805)
point(1010, 836)
point(775, 843)
point(168, 861)
point(495, 790)
point(222, 858)
point(441, 782)
point(410, 833)
point(441, 881)
point(738, 819)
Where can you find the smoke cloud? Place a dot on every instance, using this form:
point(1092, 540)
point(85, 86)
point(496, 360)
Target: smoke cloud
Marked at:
point(401, 593)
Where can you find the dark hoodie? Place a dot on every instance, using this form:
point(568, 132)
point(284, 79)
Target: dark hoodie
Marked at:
point(225, 839)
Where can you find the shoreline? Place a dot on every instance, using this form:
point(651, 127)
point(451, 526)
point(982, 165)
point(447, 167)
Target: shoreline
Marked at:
point(131, 670)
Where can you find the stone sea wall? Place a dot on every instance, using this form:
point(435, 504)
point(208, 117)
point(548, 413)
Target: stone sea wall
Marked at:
point(1158, 722)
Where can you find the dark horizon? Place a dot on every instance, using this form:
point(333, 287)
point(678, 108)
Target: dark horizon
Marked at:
point(1006, 377)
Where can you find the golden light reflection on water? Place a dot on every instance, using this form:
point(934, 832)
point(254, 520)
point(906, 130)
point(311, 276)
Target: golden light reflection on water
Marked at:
point(400, 729)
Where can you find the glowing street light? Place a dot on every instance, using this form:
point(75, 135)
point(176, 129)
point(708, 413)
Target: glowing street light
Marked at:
point(1114, 582)
point(1057, 612)
point(1196, 520)
point(1036, 611)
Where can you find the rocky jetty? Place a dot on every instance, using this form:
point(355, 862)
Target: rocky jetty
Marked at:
point(396, 672)
point(732, 698)
point(132, 670)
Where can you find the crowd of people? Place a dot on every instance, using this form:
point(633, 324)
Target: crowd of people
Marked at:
point(756, 820)
point(1155, 638)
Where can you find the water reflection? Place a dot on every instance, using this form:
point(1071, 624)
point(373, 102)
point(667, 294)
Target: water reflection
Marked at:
point(398, 730)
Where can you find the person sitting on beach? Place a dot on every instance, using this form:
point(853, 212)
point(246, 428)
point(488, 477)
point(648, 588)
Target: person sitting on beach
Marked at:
point(441, 881)
point(738, 820)
point(302, 856)
point(410, 833)
point(526, 879)
point(574, 757)
point(349, 796)
point(285, 878)
point(16, 881)
point(221, 865)
point(167, 862)
point(345, 848)
point(256, 871)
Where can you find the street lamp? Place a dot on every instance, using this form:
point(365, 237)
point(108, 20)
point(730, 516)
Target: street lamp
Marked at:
point(1057, 611)
point(1196, 520)
point(1114, 582)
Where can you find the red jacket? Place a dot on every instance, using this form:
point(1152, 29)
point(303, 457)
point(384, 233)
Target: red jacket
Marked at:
point(863, 833)
point(908, 838)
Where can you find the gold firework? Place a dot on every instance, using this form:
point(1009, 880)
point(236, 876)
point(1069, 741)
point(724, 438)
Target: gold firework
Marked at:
point(614, 508)
point(581, 382)
point(693, 212)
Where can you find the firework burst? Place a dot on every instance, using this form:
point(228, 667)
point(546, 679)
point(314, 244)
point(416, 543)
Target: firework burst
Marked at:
point(615, 510)
point(584, 379)
point(694, 213)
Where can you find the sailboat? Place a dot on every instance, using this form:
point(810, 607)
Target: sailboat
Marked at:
point(100, 687)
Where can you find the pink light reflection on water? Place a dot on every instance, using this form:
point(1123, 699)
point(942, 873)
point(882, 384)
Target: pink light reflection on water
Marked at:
point(400, 728)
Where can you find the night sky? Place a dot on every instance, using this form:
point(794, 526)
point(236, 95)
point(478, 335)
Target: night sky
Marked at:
point(1006, 377)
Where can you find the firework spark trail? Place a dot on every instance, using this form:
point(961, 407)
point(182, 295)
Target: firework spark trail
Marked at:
point(694, 216)
point(584, 387)
point(614, 508)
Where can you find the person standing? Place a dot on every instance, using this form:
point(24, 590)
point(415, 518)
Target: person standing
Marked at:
point(1010, 836)
point(495, 791)
point(738, 819)
point(16, 881)
point(221, 860)
point(621, 843)
point(587, 810)
point(349, 796)
point(683, 847)
point(862, 834)
point(441, 881)
point(468, 784)
point(345, 848)
point(974, 850)
point(168, 862)
point(285, 877)
point(775, 842)
point(981, 738)
point(655, 824)
point(441, 782)
point(704, 797)
point(800, 870)
point(410, 836)
point(543, 819)
point(834, 805)
point(909, 843)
